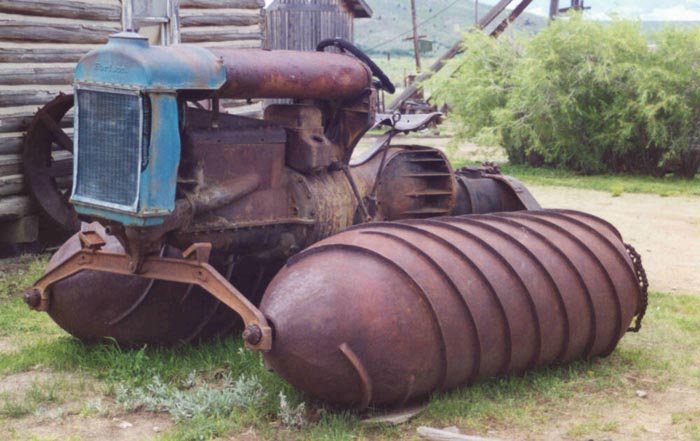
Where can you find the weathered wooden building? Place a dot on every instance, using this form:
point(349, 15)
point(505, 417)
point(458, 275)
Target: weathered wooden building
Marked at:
point(40, 43)
point(302, 24)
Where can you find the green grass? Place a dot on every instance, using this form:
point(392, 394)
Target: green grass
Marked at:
point(665, 352)
point(614, 184)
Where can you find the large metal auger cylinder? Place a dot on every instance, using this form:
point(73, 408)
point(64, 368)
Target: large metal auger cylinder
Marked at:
point(389, 312)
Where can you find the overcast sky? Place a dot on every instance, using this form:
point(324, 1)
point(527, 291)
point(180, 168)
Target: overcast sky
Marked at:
point(646, 10)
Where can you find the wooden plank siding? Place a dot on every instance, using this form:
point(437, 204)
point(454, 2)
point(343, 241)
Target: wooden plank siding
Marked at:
point(42, 40)
point(302, 24)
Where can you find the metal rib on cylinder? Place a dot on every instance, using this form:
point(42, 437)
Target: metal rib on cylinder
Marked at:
point(400, 310)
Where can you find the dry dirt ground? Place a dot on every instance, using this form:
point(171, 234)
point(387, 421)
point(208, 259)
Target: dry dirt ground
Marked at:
point(80, 412)
point(664, 230)
point(661, 416)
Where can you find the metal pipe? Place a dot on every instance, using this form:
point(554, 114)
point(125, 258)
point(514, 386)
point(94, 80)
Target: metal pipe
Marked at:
point(257, 73)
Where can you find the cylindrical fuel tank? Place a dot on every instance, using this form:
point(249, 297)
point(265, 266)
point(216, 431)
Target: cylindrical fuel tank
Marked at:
point(257, 73)
point(385, 313)
point(91, 305)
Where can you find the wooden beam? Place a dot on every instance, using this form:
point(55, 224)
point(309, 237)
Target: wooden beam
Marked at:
point(511, 18)
point(14, 30)
point(493, 13)
point(11, 144)
point(20, 121)
point(553, 9)
point(16, 98)
point(434, 68)
point(211, 36)
point(37, 75)
point(12, 185)
point(16, 207)
point(224, 19)
point(23, 230)
point(219, 4)
point(14, 123)
point(416, 51)
point(42, 55)
point(63, 8)
point(10, 164)
point(433, 434)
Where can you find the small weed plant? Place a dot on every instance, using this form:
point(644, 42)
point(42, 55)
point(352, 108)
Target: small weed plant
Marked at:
point(194, 398)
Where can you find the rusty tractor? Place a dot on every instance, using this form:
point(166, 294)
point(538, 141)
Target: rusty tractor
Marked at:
point(339, 268)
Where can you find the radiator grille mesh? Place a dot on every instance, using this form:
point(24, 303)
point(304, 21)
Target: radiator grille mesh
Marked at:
point(109, 137)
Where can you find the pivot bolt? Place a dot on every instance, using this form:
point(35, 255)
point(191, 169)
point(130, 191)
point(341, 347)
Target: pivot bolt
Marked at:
point(252, 334)
point(32, 298)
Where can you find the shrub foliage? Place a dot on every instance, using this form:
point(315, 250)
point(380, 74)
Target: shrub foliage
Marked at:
point(582, 95)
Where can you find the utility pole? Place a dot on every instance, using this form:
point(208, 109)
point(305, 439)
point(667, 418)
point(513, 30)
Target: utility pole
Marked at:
point(416, 47)
point(476, 12)
point(553, 9)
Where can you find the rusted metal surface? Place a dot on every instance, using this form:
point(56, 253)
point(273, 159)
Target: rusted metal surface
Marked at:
point(256, 73)
point(415, 182)
point(474, 296)
point(257, 191)
point(49, 180)
point(133, 310)
point(191, 269)
point(484, 190)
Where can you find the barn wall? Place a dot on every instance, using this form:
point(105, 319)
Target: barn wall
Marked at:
point(40, 43)
point(302, 24)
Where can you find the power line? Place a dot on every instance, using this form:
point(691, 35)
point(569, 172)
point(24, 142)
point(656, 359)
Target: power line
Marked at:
point(427, 20)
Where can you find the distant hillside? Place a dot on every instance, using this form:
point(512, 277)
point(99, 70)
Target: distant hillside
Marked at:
point(655, 26)
point(391, 23)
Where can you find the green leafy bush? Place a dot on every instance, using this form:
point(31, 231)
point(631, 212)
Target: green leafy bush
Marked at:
point(582, 95)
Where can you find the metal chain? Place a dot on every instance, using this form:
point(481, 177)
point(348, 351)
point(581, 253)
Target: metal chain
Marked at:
point(643, 285)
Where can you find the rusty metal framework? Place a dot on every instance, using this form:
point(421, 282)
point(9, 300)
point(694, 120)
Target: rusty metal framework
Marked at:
point(338, 269)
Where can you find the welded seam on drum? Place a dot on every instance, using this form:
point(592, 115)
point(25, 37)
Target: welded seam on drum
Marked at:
point(560, 298)
point(442, 223)
point(582, 245)
point(362, 374)
point(401, 271)
point(134, 306)
point(205, 321)
point(208, 318)
point(618, 303)
point(479, 222)
point(138, 301)
point(476, 339)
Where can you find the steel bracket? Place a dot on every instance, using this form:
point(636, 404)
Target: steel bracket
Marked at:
point(192, 269)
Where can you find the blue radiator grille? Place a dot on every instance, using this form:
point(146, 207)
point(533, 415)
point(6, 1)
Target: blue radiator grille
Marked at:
point(109, 153)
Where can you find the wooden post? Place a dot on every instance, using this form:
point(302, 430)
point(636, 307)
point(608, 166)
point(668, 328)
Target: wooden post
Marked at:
point(416, 48)
point(553, 9)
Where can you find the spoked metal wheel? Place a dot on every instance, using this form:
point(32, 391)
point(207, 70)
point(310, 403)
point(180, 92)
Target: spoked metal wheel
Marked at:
point(48, 162)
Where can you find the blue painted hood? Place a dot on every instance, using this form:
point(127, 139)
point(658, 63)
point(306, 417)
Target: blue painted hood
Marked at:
point(129, 60)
